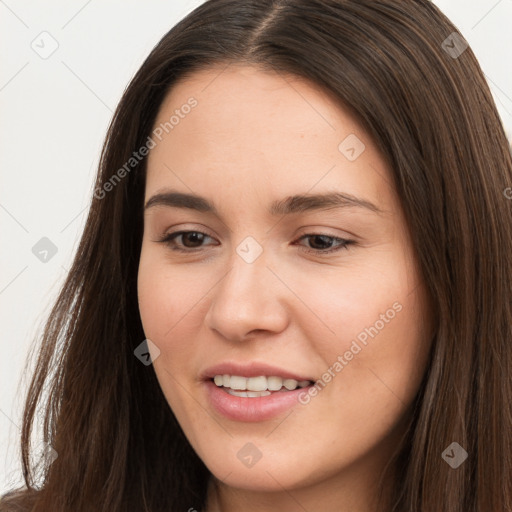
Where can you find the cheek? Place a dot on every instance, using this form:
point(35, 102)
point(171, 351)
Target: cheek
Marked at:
point(373, 316)
point(345, 300)
point(155, 299)
point(163, 302)
point(164, 294)
point(173, 302)
point(368, 385)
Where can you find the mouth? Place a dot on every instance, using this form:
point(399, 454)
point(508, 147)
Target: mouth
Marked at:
point(254, 387)
point(253, 391)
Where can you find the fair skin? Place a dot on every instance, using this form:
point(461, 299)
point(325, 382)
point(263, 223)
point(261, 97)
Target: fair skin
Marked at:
point(257, 137)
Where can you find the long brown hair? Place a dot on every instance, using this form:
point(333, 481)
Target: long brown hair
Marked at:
point(402, 67)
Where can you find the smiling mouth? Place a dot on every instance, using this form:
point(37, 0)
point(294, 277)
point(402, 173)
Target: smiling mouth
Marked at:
point(252, 387)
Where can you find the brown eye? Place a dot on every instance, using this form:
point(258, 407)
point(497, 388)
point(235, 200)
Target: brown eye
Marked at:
point(192, 238)
point(185, 240)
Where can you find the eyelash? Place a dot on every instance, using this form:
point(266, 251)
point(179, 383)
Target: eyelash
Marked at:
point(169, 240)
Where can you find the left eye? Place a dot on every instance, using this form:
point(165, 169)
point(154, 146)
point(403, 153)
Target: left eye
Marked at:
point(325, 242)
point(191, 240)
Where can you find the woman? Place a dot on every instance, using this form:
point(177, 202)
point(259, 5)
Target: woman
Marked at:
point(299, 220)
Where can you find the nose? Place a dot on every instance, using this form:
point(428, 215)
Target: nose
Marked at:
point(249, 300)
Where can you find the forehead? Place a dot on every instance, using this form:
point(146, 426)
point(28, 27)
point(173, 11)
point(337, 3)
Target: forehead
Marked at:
point(238, 95)
point(264, 131)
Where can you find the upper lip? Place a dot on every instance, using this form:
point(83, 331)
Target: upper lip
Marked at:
point(251, 369)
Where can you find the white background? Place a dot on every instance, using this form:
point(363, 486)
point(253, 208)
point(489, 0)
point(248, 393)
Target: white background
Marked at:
point(54, 114)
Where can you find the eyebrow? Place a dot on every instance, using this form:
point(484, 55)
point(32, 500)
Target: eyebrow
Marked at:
point(293, 204)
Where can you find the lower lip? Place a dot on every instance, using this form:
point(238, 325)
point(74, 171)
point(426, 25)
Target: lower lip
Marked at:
point(259, 408)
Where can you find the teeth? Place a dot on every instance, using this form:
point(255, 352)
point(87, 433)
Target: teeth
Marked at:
point(256, 383)
point(237, 382)
point(290, 384)
point(274, 383)
point(256, 386)
point(247, 394)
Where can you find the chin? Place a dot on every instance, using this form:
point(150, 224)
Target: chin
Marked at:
point(272, 472)
point(257, 478)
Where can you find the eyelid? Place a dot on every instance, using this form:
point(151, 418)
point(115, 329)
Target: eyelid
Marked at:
point(187, 228)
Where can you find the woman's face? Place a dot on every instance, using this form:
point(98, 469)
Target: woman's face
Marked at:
point(296, 265)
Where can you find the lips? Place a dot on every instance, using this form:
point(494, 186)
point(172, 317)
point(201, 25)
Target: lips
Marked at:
point(252, 406)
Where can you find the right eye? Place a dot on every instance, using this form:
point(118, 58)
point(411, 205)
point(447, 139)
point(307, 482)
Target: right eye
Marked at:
point(184, 241)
